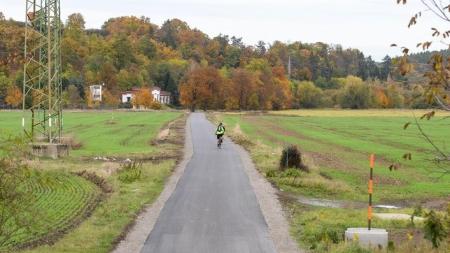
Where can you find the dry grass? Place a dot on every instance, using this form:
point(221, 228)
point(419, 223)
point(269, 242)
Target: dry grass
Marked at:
point(358, 113)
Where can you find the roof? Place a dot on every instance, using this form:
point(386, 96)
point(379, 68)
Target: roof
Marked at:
point(136, 89)
point(165, 93)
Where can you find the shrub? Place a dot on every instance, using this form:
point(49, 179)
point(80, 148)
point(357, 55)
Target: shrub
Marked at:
point(155, 105)
point(434, 228)
point(291, 157)
point(130, 172)
point(418, 211)
point(15, 216)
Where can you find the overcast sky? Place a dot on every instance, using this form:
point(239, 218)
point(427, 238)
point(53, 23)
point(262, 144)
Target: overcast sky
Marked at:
point(369, 25)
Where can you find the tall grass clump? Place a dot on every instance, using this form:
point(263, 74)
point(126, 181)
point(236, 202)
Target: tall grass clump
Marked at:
point(291, 157)
point(130, 172)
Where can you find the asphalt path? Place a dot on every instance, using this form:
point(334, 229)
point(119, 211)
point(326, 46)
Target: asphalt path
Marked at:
point(213, 208)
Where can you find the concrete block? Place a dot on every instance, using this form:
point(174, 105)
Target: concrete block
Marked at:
point(50, 150)
point(373, 238)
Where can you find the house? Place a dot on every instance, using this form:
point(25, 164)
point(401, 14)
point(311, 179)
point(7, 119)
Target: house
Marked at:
point(159, 95)
point(96, 92)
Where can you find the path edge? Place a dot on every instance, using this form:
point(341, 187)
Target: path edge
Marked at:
point(270, 206)
point(144, 223)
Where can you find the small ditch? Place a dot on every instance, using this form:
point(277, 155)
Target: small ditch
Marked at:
point(317, 202)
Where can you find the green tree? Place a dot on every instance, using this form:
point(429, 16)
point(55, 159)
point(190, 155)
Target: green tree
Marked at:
point(123, 54)
point(355, 94)
point(308, 95)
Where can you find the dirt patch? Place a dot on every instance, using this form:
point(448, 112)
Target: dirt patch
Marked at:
point(330, 160)
point(400, 236)
point(95, 179)
point(381, 180)
point(164, 134)
point(109, 168)
point(437, 204)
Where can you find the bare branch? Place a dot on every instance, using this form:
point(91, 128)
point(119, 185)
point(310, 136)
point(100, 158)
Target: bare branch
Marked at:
point(442, 104)
point(428, 139)
point(434, 7)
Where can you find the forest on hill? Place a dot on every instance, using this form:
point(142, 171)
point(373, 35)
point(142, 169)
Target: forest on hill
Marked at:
point(208, 73)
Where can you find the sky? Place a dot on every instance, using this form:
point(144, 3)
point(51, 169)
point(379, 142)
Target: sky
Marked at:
point(369, 25)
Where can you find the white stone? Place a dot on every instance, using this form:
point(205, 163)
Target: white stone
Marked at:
point(373, 238)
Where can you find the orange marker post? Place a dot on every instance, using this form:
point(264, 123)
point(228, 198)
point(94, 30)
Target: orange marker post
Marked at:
point(369, 210)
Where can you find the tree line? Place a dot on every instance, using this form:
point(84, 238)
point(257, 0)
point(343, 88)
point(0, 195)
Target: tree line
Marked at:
point(202, 72)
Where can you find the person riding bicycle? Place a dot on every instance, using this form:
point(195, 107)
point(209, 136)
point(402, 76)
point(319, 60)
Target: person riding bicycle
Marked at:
point(220, 132)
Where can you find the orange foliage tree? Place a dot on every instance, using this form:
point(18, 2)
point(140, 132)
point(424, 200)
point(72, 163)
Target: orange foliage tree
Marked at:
point(241, 92)
point(13, 96)
point(282, 93)
point(202, 88)
point(143, 99)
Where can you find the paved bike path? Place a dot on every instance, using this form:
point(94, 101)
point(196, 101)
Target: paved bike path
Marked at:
point(213, 208)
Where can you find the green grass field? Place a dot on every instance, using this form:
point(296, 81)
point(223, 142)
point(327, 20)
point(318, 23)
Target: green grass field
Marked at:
point(335, 145)
point(103, 133)
point(59, 200)
point(63, 199)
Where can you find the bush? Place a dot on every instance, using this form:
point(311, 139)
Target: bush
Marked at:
point(130, 172)
point(292, 158)
point(434, 228)
point(15, 216)
point(155, 105)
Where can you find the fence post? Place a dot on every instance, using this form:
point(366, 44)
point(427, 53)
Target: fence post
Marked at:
point(369, 211)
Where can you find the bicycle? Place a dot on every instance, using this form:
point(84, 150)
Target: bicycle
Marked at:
point(219, 142)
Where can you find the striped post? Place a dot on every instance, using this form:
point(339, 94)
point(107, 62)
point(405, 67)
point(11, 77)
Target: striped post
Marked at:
point(369, 211)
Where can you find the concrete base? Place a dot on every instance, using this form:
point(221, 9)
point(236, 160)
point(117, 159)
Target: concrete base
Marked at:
point(373, 238)
point(50, 150)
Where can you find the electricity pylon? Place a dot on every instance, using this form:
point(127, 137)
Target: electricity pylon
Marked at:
point(42, 70)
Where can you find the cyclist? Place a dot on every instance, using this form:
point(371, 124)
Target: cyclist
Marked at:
point(219, 133)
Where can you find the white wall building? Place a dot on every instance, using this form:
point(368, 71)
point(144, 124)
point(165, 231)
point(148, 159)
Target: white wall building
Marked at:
point(96, 92)
point(162, 97)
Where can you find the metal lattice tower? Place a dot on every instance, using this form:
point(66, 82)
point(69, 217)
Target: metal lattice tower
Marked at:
point(42, 70)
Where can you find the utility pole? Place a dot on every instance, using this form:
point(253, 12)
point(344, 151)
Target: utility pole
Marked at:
point(289, 67)
point(42, 71)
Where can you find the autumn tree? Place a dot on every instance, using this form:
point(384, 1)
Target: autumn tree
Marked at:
point(241, 93)
point(13, 96)
point(73, 97)
point(438, 88)
point(143, 99)
point(282, 89)
point(201, 88)
point(170, 32)
point(110, 99)
point(381, 100)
